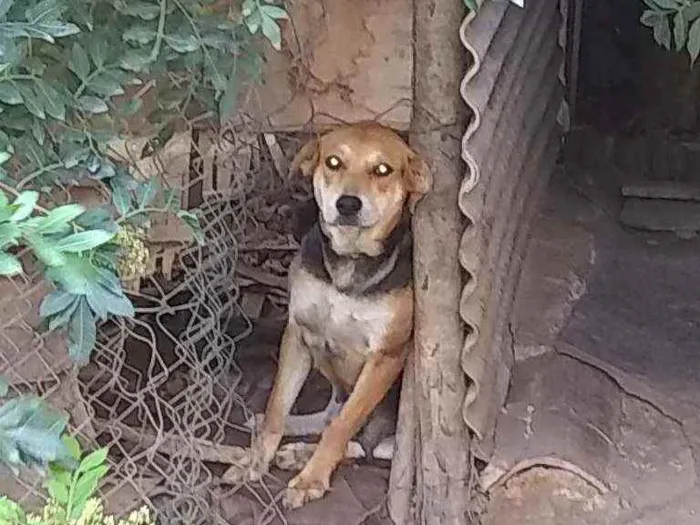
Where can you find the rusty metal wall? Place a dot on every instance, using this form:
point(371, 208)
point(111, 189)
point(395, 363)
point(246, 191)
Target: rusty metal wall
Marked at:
point(514, 88)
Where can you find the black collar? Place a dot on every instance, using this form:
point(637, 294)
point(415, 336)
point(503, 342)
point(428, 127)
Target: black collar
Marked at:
point(361, 275)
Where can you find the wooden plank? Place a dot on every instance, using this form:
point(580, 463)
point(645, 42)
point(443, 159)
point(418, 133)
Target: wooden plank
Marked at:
point(663, 190)
point(661, 215)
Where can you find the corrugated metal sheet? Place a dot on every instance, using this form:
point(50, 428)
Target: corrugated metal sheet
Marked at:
point(515, 92)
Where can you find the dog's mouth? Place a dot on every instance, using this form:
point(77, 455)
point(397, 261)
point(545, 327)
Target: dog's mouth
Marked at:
point(347, 221)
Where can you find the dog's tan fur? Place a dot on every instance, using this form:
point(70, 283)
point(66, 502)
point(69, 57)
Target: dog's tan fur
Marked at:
point(357, 340)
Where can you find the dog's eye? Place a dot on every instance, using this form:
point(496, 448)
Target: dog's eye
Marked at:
point(382, 170)
point(334, 163)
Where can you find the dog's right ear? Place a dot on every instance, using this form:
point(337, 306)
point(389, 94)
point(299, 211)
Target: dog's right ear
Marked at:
point(306, 160)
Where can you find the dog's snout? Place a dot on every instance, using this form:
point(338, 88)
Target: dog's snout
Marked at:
point(348, 205)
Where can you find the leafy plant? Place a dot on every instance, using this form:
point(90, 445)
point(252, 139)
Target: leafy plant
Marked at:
point(72, 495)
point(72, 74)
point(30, 434)
point(675, 24)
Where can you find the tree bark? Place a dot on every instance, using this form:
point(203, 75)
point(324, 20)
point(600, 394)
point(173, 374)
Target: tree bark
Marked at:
point(430, 473)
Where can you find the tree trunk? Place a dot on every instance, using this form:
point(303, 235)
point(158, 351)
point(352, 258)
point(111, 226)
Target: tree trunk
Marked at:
point(431, 468)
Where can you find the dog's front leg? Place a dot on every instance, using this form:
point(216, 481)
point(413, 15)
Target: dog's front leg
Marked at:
point(375, 380)
point(292, 371)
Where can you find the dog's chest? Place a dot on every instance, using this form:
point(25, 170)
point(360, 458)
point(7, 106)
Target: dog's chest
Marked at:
point(331, 321)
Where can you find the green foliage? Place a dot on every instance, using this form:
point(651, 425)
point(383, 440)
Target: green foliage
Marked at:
point(30, 434)
point(72, 495)
point(675, 24)
point(71, 73)
point(264, 16)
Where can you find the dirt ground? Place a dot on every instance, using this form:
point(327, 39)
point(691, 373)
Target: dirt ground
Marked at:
point(600, 426)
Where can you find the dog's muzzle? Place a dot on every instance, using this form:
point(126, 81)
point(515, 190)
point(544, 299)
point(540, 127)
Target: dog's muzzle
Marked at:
point(348, 207)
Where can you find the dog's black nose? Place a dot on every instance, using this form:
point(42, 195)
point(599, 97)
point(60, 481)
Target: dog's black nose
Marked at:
point(348, 205)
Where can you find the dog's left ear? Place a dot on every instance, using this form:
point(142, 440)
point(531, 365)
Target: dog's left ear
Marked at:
point(306, 159)
point(419, 179)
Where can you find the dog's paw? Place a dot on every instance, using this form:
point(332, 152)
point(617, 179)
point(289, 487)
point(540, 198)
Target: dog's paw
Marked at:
point(302, 490)
point(250, 468)
point(293, 456)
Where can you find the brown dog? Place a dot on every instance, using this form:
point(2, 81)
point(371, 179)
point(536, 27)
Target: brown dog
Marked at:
point(351, 292)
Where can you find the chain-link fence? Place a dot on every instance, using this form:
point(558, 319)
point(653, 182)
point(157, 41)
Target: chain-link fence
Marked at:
point(163, 390)
point(168, 391)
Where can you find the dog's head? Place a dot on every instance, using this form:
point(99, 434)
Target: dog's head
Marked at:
point(364, 175)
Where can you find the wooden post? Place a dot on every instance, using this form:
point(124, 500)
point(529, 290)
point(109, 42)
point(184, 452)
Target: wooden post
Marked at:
point(430, 473)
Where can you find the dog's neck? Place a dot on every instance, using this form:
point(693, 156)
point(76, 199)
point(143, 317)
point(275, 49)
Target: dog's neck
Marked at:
point(359, 273)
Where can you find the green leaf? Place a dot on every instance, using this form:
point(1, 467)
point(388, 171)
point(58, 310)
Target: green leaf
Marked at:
point(667, 4)
point(135, 61)
point(182, 43)
point(253, 21)
point(692, 12)
point(85, 488)
point(650, 17)
point(121, 197)
point(82, 334)
point(30, 432)
point(5, 145)
point(139, 34)
point(693, 44)
point(45, 249)
point(4, 157)
point(9, 265)
point(45, 31)
point(98, 52)
point(9, 94)
point(105, 299)
point(105, 85)
point(50, 100)
point(272, 32)
point(58, 218)
point(662, 32)
point(58, 29)
point(76, 276)
point(43, 10)
point(93, 104)
point(58, 491)
point(9, 232)
point(79, 62)
point(93, 460)
point(83, 241)
point(56, 302)
point(142, 10)
point(73, 446)
point(96, 218)
point(471, 5)
point(38, 131)
point(274, 11)
point(31, 101)
point(25, 203)
point(10, 512)
point(61, 319)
